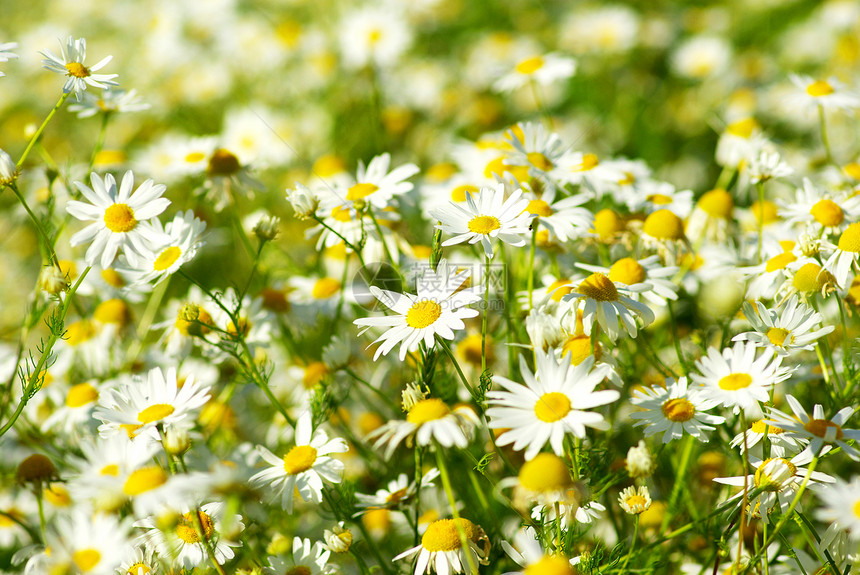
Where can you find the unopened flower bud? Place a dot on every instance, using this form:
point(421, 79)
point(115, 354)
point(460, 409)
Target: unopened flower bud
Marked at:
point(8, 169)
point(267, 228)
point(52, 280)
point(176, 441)
point(304, 202)
point(640, 462)
point(189, 312)
point(36, 469)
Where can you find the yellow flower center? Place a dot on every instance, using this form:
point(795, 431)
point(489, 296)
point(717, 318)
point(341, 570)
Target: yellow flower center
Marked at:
point(828, 213)
point(194, 157)
point(819, 427)
point(598, 287)
point(314, 374)
point(458, 194)
point(119, 218)
point(427, 410)
point(444, 535)
point(660, 199)
point(589, 162)
point(166, 258)
point(772, 474)
point(77, 70)
point(300, 458)
point(530, 65)
point(81, 394)
point(559, 288)
point(664, 225)
point(360, 191)
point(139, 568)
point(143, 480)
point(856, 508)
point(223, 163)
point(112, 278)
point(484, 224)
point(777, 336)
point(328, 165)
point(552, 406)
point(111, 469)
point(852, 170)
point(112, 311)
point(498, 166)
point(86, 559)
point(607, 223)
point(779, 262)
point(636, 502)
point(198, 327)
point(440, 172)
point(735, 381)
point(819, 88)
point(36, 467)
point(849, 241)
point(79, 332)
point(549, 565)
point(579, 347)
point(811, 278)
point(540, 161)
point(765, 212)
point(742, 128)
point(57, 495)
point(546, 472)
point(377, 520)
point(627, 271)
point(717, 204)
point(243, 328)
point(758, 427)
point(678, 410)
point(187, 530)
point(155, 412)
point(539, 208)
point(397, 496)
point(325, 288)
point(423, 313)
point(341, 214)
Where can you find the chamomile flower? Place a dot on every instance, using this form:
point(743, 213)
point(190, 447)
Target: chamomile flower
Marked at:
point(535, 147)
point(829, 93)
point(88, 543)
point(529, 554)
point(550, 405)
point(780, 441)
point(144, 403)
point(397, 492)
point(647, 272)
point(377, 185)
point(817, 429)
point(304, 467)
point(487, 215)
point(563, 218)
point(544, 481)
point(779, 479)
point(6, 53)
point(75, 414)
point(542, 70)
point(604, 301)
point(110, 101)
point(71, 63)
point(184, 543)
point(441, 549)
point(829, 212)
point(307, 559)
point(840, 505)
point(437, 309)
point(768, 166)
point(635, 500)
point(117, 216)
point(373, 36)
point(673, 410)
point(846, 255)
point(790, 328)
point(181, 240)
point(736, 378)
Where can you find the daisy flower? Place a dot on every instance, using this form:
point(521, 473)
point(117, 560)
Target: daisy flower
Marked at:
point(562, 218)
point(88, 542)
point(736, 378)
point(635, 500)
point(304, 467)
point(375, 184)
point(307, 559)
point(779, 478)
point(542, 70)
point(75, 414)
point(550, 405)
point(71, 63)
point(840, 503)
point(604, 301)
point(824, 211)
point(428, 420)
point(543, 481)
point(117, 215)
point(442, 551)
point(396, 492)
point(183, 541)
point(790, 328)
point(181, 240)
point(142, 404)
point(817, 429)
point(6, 53)
point(109, 102)
point(528, 553)
point(487, 215)
point(540, 150)
point(768, 166)
point(780, 441)
point(673, 410)
point(647, 272)
point(437, 309)
point(373, 36)
point(829, 93)
point(846, 255)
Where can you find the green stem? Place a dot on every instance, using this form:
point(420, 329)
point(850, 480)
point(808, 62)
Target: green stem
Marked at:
point(760, 187)
point(452, 500)
point(531, 272)
point(42, 524)
point(382, 240)
point(41, 129)
point(49, 246)
point(147, 318)
point(632, 544)
point(348, 244)
point(825, 141)
point(486, 314)
point(679, 476)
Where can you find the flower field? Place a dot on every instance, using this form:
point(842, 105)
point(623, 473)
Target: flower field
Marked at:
point(390, 288)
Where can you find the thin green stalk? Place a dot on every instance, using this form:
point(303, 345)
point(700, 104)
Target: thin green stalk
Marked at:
point(760, 187)
point(147, 318)
point(41, 129)
point(675, 339)
point(486, 314)
point(680, 473)
point(42, 524)
point(632, 544)
point(452, 500)
point(825, 141)
point(49, 246)
point(348, 244)
point(382, 240)
point(240, 231)
point(531, 271)
point(745, 499)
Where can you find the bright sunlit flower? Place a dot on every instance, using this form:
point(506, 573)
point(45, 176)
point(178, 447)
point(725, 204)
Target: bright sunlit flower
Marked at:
point(792, 327)
point(847, 254)
point(673, 410)
point(542, 70)
point(6, 53)
point(817, 429)
point(551, 404)
point(110, 101)
point(635, 500)
point(71, 63)
point(841, 505)
point(117, 215)
point(830, 212)
point(604, 301)
point(179, 245)
point(307, 559)
point(304, 467)
point(441, 549)
point(829, 93)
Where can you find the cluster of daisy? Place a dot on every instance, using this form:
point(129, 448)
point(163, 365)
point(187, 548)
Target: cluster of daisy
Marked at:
point(569, 289)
